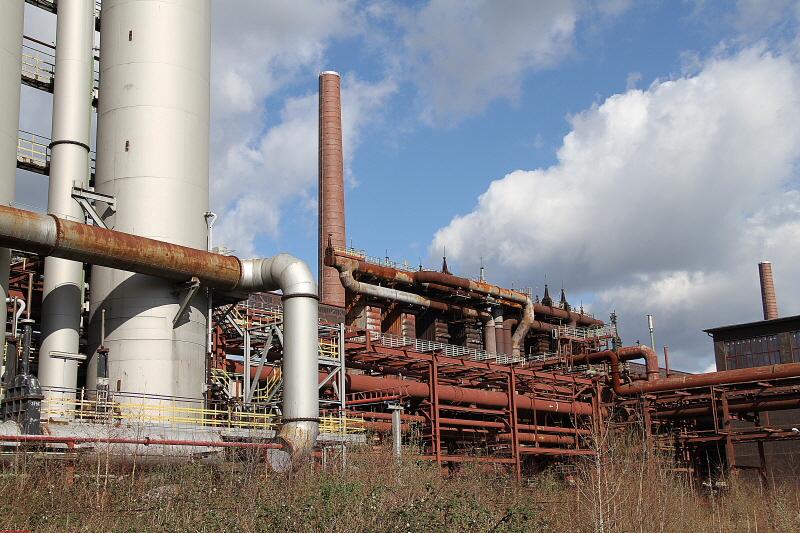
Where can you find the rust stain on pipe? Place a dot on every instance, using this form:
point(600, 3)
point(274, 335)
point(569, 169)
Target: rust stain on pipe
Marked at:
point(725, 377)
point(49, 235)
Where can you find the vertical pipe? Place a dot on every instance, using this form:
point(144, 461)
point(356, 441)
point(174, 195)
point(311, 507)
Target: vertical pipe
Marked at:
point(666, 361)
point(489, 337)
point(331, 185)
point(397, 431)
point(768, 300)
point(500, 340)
point(11, 18)
point(650, 326)
point(69, 161)
point(152, 155)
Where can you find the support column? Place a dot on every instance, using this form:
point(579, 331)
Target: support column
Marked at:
point(11, 19)
point(434, 399)
point(512, 407)
point(62, 296)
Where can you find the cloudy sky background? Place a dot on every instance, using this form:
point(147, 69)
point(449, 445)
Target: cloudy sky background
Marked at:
point(643, 154)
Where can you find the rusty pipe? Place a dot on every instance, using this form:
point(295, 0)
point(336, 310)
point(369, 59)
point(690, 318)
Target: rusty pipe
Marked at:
point(640, 351)
point(426, 276)
point(725, 377)
point(538, 437)
point(346, 268)
point(50, 235)
point(50, 439)
point(464, 396)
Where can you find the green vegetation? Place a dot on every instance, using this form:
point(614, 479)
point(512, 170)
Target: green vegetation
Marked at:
point(621, 490)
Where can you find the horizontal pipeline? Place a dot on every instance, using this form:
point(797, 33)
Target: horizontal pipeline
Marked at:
point(50, 439)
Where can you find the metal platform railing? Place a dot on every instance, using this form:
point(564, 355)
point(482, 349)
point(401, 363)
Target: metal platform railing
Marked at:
point(142, 409)
point(38, 64)
point(33, 153)
point(591, 332)
point(449, 350)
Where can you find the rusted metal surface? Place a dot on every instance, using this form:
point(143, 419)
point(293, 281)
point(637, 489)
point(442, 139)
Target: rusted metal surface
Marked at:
point(331, 185)
point(346, 268)
point(629, 353)
point(465, 396)
point(49, 235)
point(725, 377)
point(448, 280)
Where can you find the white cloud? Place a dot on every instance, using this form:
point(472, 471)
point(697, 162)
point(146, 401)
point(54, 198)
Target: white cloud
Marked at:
point(281, 165)
point(662, 202)
point(464, 54)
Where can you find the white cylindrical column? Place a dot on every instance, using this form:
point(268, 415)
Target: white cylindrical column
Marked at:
point(152, 155)
point(62, 295)
point(11, 18)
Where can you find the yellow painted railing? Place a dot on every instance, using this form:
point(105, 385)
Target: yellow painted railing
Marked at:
point(176, 412)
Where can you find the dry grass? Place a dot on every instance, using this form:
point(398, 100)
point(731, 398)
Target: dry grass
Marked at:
point(622, 490)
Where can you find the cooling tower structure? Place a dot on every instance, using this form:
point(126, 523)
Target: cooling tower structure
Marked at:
point(331, 185)
point(152, 156)
point(11, 16)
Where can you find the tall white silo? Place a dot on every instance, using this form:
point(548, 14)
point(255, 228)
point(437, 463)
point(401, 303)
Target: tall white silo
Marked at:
point(11, 18)
point(152, 155)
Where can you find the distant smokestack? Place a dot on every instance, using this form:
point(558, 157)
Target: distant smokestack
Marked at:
point(767, 291)
point(331, 185)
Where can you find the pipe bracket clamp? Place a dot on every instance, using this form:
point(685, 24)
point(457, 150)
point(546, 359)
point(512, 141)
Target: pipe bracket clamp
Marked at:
point(285, 420)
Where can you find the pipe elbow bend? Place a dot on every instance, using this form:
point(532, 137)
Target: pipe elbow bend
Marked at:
point(293, 276)
point(282, 271)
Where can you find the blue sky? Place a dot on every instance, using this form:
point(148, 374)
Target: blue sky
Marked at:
point(641, 153)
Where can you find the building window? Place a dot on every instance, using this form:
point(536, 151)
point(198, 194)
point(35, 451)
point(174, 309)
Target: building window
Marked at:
point(759, 351)
point(795, 346)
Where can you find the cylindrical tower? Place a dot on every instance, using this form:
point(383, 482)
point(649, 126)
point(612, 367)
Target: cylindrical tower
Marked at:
point(11, 17)
point(767, 291)
point(62, 295)
point(152, 155)
point(331, 185)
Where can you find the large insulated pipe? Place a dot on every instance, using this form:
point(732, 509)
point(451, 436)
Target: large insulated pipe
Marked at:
point(768, 300)
point(62, 293)
point(50, 235)
point(152, 156)
point(331, 185)
point(11, 19)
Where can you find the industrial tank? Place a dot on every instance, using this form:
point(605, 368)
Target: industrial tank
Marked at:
point(152, 155)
